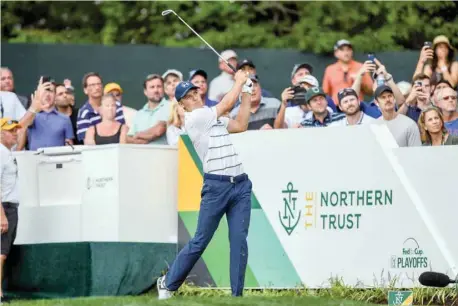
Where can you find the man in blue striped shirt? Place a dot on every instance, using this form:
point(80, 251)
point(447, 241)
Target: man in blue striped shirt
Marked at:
point(88, 114)
point(316, 99)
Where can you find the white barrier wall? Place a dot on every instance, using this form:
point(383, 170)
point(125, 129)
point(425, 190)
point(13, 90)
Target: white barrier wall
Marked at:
point(124, 193)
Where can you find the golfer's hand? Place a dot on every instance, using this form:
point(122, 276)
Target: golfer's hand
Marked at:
point(241, 77)
point(4, 223)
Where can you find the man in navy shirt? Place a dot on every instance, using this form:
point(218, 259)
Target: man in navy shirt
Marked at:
point(199, 78)
point(88, 115)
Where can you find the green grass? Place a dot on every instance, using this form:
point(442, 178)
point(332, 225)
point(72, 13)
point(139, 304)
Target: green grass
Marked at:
point(338, 294)
point(192, 301)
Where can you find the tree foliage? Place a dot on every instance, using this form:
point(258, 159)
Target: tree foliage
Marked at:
point(307, 26)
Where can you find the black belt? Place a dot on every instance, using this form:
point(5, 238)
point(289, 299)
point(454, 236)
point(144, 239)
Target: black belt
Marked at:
point(10, 204)
point(226, 178)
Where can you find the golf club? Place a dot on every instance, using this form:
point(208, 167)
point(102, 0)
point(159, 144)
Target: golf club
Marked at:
point(166, 12)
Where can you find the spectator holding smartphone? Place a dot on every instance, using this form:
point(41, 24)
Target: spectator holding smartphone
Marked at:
point(432, 128)
point(381, 77)
point(438, 61)
point(418, 99)
point(342, 74)
point(49, 128)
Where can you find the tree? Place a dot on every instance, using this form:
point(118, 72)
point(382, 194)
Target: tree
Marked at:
point(307, 26)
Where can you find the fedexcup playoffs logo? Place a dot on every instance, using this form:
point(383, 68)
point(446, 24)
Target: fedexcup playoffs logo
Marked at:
point(289, 216)
point(411, 256)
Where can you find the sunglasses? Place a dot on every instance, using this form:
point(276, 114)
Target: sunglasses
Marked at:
point(446, 98)
point(9, 122)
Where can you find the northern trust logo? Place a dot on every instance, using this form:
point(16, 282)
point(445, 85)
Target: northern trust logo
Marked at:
point(333, 210)
point(289, 215)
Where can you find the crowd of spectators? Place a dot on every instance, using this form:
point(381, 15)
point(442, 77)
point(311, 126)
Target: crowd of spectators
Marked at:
point(420, 112)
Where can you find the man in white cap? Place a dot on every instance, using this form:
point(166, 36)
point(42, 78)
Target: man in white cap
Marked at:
point(223, 83)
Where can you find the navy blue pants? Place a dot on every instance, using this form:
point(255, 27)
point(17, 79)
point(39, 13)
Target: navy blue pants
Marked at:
point(220, 195)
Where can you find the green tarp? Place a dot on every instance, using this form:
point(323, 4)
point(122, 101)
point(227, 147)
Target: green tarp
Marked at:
point(85, 268)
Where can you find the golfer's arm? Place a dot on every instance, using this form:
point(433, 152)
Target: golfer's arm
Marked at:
point(240, 123)
point(228, 102)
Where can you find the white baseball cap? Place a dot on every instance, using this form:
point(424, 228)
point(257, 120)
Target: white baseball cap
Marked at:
point(309, 79)
point(173, 71)
point(228, 54)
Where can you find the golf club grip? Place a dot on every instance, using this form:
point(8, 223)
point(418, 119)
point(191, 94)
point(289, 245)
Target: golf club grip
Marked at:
point(232, 67)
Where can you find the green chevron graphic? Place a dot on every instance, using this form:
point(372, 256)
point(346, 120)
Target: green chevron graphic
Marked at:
point(268, 263)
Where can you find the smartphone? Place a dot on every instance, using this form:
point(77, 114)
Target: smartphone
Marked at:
point(428, 44)
point(371, 57)
point(45, 79)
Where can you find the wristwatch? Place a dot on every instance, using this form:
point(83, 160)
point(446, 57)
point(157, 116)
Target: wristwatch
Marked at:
point(390, 77)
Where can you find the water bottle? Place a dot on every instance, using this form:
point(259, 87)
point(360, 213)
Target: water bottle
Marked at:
point(380, 80)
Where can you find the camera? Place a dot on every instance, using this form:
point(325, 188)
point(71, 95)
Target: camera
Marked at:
point(428, 44)
point(299, 95)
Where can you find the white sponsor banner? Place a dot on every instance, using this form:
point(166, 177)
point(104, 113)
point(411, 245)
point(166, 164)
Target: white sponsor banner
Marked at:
point(346, 202)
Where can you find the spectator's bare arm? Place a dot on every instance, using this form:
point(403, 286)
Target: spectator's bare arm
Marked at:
point(135, 140)
point(286, 95)
point(22, 137)
point(367, 67)
point(29, 116)
point(398, 96)
point(152, 133)
point(123, 136)
point(426, 54)
point(89, 137)
point(451, 76)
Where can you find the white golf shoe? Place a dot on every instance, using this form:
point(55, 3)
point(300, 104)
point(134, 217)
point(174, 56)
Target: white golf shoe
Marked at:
point(162, 291)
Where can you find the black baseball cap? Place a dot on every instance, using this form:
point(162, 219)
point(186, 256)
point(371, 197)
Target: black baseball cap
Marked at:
point(246, 62)
point(345, 93)
point(195, 72)
point(381, 89)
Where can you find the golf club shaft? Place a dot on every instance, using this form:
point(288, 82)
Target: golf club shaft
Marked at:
point(201, 38)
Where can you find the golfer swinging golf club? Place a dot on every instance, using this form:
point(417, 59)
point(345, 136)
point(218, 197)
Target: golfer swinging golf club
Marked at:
point(226, 188)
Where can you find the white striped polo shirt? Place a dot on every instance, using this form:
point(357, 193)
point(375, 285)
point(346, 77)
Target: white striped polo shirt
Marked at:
point(212, 142)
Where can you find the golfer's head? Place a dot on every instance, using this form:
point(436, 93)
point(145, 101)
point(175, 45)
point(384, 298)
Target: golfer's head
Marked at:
point(188, 96)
